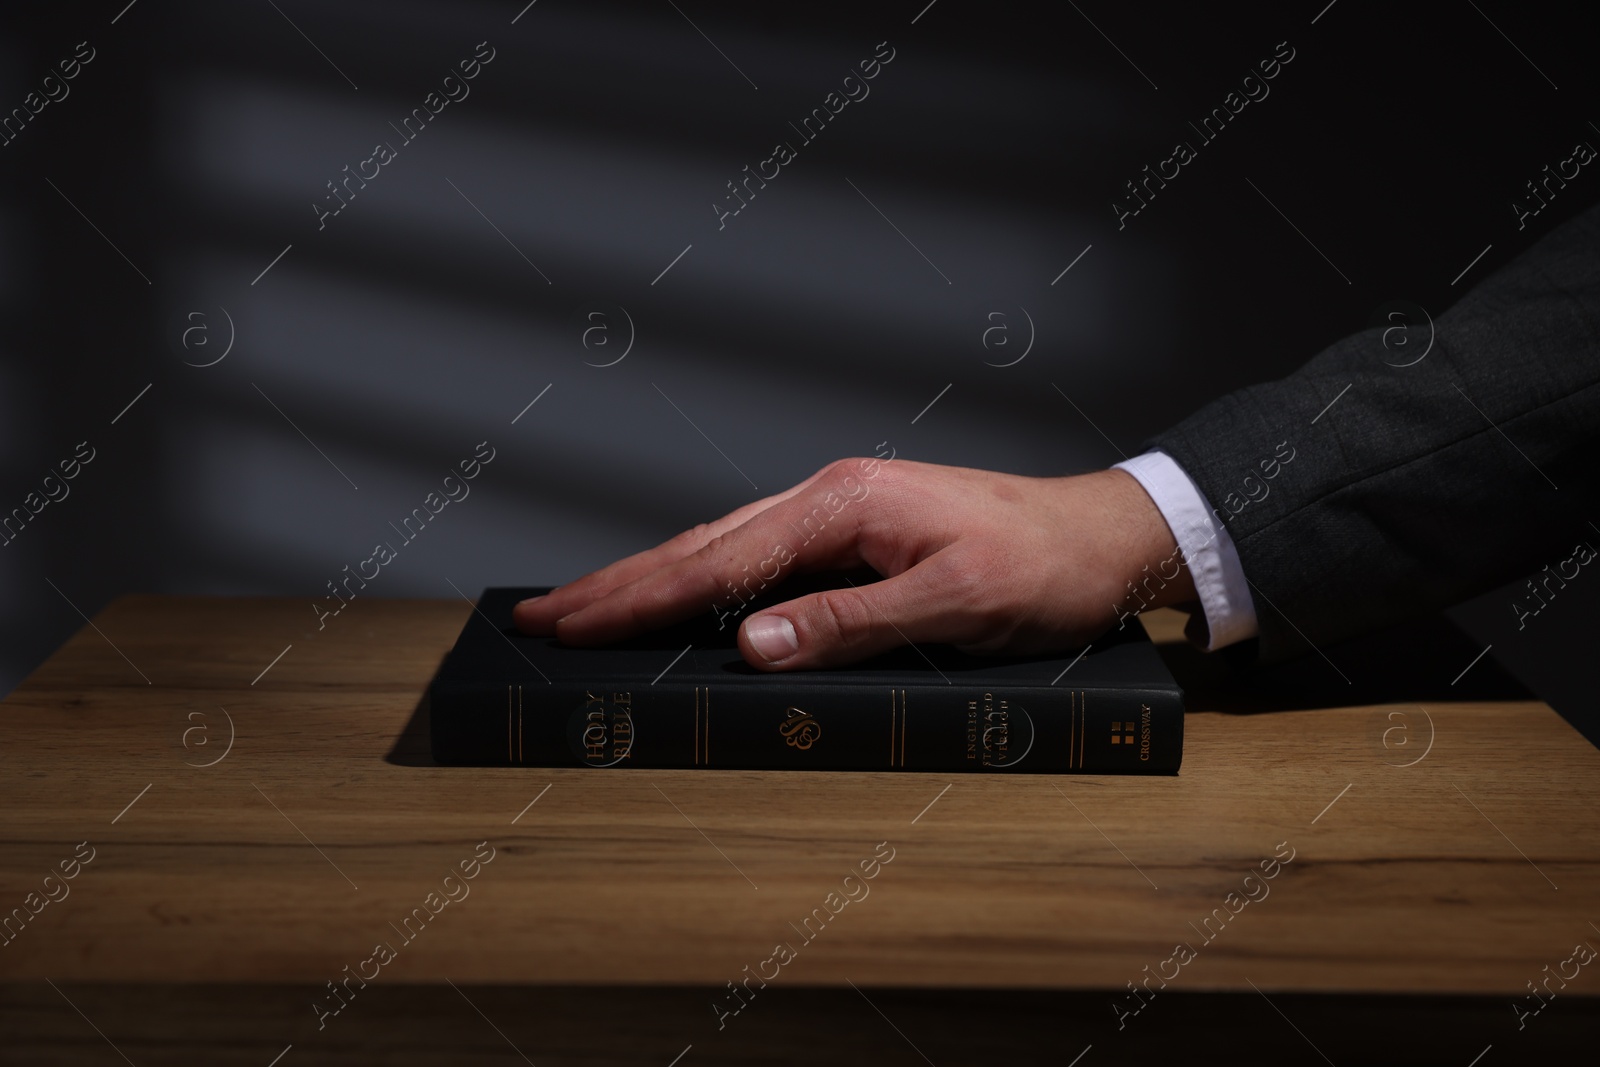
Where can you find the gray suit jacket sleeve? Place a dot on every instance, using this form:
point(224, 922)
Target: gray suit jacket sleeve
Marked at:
point(1421, 485)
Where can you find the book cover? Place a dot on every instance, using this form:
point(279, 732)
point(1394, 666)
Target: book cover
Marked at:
point(683, 697)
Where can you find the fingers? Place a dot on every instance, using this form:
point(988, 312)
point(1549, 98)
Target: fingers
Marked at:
point(740, 562)
point(841, 626)
point(538, 616)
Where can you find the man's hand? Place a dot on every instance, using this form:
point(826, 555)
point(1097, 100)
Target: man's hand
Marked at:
point(991, 563)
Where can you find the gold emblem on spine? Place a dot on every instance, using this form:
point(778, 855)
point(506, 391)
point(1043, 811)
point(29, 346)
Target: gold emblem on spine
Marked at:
point(799, 729)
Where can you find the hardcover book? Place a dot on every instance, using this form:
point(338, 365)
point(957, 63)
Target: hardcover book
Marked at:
point(683, 697)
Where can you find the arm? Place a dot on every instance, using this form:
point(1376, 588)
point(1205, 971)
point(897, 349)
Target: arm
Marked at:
point(1347, 508)
point(1420, 485)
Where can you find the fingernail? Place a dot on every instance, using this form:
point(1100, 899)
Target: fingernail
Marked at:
point(530, 600)
point(772, 636)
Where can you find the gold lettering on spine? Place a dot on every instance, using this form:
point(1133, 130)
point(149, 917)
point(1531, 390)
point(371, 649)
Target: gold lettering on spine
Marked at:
point(520, 758)
point(903, 720)
point(508, 725)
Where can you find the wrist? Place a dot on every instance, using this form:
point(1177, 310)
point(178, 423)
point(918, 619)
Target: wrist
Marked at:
point(1151, 570)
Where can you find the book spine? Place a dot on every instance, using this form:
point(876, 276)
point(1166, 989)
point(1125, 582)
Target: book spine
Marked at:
point(1025, 729)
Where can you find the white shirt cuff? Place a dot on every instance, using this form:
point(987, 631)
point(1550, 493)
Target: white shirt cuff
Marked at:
point(1206, 547)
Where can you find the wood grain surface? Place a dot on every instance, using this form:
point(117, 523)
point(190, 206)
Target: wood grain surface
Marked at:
point(323, 827)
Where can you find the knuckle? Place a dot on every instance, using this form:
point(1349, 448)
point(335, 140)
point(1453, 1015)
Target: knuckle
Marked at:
point(716, 548)
point(852, 467)
point(835, 467)
point(843, 616)
point(831, 473)
point(698, 534)
point(882, 472)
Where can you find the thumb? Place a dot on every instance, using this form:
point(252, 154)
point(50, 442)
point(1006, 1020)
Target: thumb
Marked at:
point(840, 626)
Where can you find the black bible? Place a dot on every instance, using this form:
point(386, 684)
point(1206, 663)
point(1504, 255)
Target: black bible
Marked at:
point(683, 697)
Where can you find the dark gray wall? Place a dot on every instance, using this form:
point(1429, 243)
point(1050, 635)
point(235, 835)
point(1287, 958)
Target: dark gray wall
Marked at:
point(416, 323)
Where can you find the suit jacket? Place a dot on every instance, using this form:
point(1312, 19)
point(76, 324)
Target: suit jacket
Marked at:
point(1422, 485)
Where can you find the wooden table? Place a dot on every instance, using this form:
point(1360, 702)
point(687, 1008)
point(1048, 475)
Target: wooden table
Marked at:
point(222, 900)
